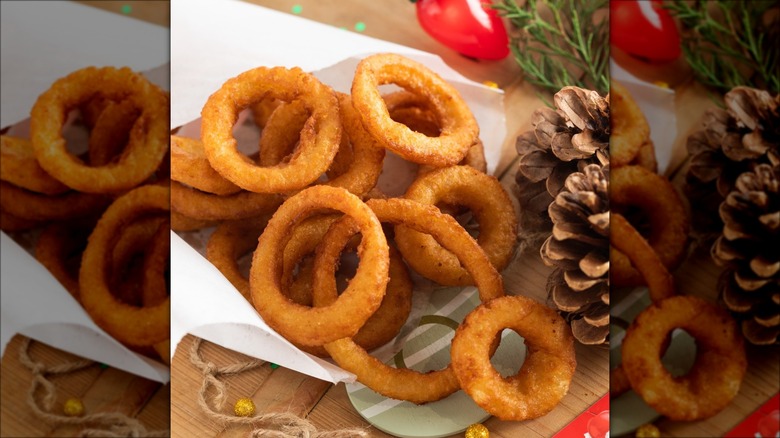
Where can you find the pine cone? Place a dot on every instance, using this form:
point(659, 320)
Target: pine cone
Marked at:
point(579, 249)
point(731, 142)
point(749, 248)
point(563, 141)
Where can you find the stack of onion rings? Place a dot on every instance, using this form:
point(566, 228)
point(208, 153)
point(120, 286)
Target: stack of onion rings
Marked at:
point(292, 279)
point(45, 184)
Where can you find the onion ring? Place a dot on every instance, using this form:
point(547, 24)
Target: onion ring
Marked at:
point(482, 194)
point(111, 132)
point(319, 139)
point(204, 206)
point(717, 372)
point(459, 129)
point(629, 242)
point(407, 384)
point(229, 241)
point(19, 167)
point(413, 111)
point(9, 222)
point(646, 157)
point(25, 204)
point(180, 222)
point(543, 379)
point(190, 166)
point(154, 286)
point(148, 138)
point(629, 128)
point(656, 198)
point(316, 326)
point(59, 248)
point(128, 324)
point(386, 322)
point(127, 256)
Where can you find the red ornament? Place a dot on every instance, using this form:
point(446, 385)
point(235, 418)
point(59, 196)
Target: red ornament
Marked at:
point(598, 426)
point(769, 426)
point(471, 27)
point(645, 29)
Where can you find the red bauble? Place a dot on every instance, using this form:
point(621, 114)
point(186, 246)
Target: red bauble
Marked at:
point(643, 28)
point(470, 27)
point(598, 426)
point(769, 425)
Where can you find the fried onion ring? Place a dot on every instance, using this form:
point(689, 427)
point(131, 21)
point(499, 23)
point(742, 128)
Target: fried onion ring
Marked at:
point(190, 166)
point(111, 132)
point(148, 139)
point(543, 379)
point(180, 222)
point(204, 206)
point(629, 128)
point(404, 383)
point(483, 195)
point(669, 223)
point(642, 256)
point(459, 129)
point(25, 204)
point(230, 241)
point(128, 324)
point(359, 301)
point(59, 248)
point(9, 222)
point(413, 111)
point(717, 372)
point(19, 167)
point(319, 138)
point(391, 315)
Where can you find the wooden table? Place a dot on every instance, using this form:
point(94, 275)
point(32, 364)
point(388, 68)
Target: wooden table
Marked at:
point(327, 405)
point(100, 389)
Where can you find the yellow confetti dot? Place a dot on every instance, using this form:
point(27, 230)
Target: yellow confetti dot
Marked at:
point(244, 407)
point(477, 431)
point(490, 84)
point(73, 407)
point(648, 431)
point(661, 84)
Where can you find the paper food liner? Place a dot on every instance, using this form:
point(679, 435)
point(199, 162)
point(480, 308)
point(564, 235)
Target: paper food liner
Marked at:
point(36, 305)
point(629, 411)
point(208, 306)
point(657, 104)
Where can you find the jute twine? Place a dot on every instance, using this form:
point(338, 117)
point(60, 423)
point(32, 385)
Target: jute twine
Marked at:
point(274, 425)
point(103, 424)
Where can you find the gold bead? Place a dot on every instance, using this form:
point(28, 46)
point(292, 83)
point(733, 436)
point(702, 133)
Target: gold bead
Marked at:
point(648, 431)
point(490, 84)
point(73, 407)
point(477, 431)
point(244, 407)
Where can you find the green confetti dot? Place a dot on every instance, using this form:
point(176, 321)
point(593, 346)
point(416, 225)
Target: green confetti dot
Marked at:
point(103, 366)
point(127, 9)
point(274, 366)
point(297, 9)
point(360, 26)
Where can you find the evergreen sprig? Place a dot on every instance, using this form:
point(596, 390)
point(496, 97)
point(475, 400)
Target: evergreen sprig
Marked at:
point(729, 43)
point(558, 42)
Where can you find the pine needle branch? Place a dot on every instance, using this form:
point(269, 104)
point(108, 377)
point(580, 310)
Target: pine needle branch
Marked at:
point(558, 42)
